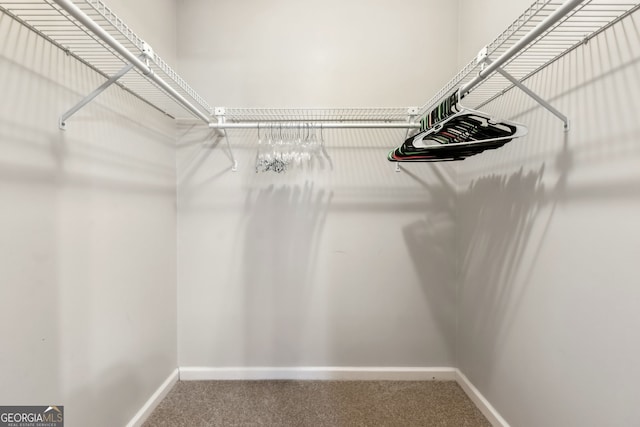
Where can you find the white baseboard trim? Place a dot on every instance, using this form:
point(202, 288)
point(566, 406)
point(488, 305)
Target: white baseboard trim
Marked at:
point(317, 373)
point(480, 401)
point(154, 400)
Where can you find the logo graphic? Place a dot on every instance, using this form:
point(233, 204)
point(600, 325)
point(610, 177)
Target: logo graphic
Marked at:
point(32, 416)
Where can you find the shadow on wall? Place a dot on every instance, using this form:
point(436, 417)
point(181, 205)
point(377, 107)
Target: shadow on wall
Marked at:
point(431, 245)
point(505, 218)
point(284, 225)
point(41, 81)
point(593, 85)
point(203, 142)
point(497, 214)
point(503, 222)
point(84, 223)
point(77, 163)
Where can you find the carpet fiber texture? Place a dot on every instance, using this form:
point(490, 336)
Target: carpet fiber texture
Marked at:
point(316, 403)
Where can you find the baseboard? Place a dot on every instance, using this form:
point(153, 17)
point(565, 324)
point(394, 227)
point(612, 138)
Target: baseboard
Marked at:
point(480, 401)
point(154, 400)
point(317, 373)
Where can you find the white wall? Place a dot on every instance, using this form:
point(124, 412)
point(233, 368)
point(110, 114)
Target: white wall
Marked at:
point(480, 22)
point(334, 53)
point(517, 265)
point(549, 241)
point(87, 295)
point(350, 266)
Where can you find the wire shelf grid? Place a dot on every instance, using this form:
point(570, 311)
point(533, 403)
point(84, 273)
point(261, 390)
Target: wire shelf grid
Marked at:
point(575, 28)
point(317, 114)
point(50, 21)
point(579, 25)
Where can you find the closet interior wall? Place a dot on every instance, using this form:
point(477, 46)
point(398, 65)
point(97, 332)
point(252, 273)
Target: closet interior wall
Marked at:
point(342, 263)
point(516, 266)
point(548, 238)
point(332, 54)
point(88, 226)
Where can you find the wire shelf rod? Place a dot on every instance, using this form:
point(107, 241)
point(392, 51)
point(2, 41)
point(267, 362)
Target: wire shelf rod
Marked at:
point(315, 125)
point(50, 21)
point(524, 41)
point(530, 72)
point(574, 28)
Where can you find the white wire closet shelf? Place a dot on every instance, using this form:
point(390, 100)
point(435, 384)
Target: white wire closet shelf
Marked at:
point(91, 32)
point(161, 87)
point(521, 51)
point(545, 32)
point(398, 114)
point(454, 130)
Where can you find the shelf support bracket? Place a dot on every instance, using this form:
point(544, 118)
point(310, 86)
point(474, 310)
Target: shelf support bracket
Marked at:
point(483, 57)
point(62, 121)
point(412, 112)
point(220, 115)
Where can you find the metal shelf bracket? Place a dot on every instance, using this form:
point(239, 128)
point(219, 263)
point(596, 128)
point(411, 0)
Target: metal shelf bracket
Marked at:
point(412, 113)
point(220, 112)
point(482, 56)
point(62, 121)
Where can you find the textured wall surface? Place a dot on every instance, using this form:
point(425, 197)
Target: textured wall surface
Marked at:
point(548, 242)
point(341, 262)
point(88, 247)
point(516, 266)
point(286, 53)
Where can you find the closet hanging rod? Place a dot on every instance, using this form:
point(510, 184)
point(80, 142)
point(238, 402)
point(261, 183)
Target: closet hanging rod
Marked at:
point(78, 14)
point(538, 30)
point(314, 125)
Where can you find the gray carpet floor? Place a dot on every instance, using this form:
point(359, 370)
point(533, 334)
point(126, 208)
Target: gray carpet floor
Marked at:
point(316, 403)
